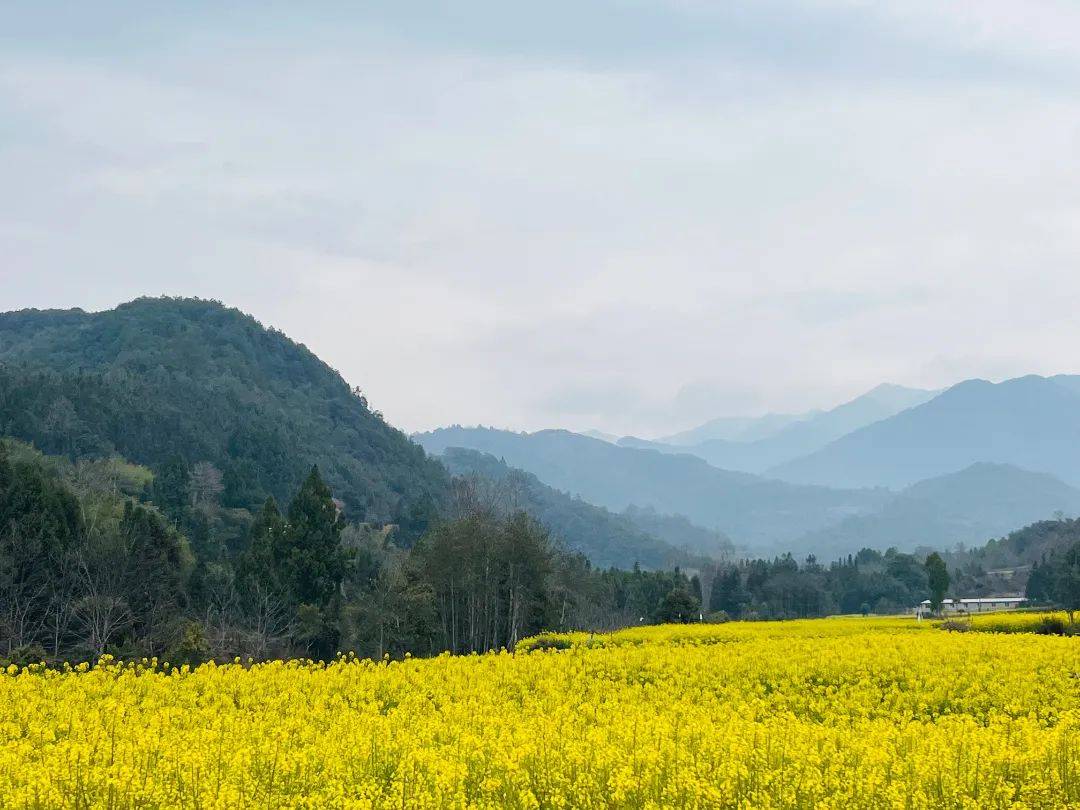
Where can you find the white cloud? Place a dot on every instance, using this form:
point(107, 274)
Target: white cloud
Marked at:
point(633, 240)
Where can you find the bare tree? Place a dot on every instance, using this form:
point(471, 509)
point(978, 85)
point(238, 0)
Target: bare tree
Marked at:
point(207, 484)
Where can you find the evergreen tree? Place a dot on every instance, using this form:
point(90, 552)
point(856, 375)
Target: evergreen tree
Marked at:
point(937, 576)
point(172, 489)
point(678, 606)
point(1067, 582)
point(158, 563)
point(311, 559)
point(266, 547)
point(1040, 584)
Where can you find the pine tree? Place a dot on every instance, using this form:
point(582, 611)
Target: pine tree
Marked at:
point(261, 562)
point(172, 489)
point(938, 580)
point(311, 558)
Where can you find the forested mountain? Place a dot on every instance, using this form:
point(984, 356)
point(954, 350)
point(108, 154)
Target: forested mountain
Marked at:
point(967, 507)
point(1031, 422)
point(607, 539)
point(799, 437)
point(161, 380)
point(1020, 561)
point(750, 510)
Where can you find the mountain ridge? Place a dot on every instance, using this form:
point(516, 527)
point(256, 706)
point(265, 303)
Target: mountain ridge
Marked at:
point(1031, 422)
point(799, 437)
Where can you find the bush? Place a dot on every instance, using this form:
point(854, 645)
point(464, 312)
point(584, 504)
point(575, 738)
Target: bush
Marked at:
point(192, 647)
point(546, 641)
point(1051, 626)
point(955, 626)
point(24, 656)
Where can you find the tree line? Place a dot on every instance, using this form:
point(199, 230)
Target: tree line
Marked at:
point(103, 557)
point(782, 588)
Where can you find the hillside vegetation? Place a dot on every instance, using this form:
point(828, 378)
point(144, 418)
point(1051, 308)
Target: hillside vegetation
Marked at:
point(163, 379)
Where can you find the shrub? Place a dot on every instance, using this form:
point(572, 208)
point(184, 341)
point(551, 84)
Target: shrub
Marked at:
point(1050, 626)
point(955, 626)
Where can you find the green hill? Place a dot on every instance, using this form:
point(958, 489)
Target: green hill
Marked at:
point(157, 379)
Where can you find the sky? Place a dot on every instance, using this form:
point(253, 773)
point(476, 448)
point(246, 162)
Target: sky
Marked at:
point(630, 216)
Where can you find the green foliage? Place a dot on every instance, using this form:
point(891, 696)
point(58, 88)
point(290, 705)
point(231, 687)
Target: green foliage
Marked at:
point(937, 577)
point(678, 606)
point(1066, 581)
point(868, 582)
point(159, 380)
point(309, 557)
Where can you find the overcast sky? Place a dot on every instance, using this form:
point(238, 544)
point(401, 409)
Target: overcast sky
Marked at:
point(624, 215)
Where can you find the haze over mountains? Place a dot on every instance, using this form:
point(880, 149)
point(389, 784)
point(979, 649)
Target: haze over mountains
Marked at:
point(895, 467)
point(751, 510)
point(783, 438)
point(1032, 422)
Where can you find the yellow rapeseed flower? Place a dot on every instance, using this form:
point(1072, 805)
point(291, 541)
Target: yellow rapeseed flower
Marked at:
point(833, 713)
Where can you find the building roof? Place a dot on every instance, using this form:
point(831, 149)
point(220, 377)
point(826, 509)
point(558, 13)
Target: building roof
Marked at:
point(981, 600)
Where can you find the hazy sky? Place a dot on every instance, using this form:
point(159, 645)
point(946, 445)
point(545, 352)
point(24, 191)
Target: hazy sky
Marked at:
point(624, 215)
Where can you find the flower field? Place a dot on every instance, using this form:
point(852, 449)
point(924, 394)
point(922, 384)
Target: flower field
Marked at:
point(881, 713)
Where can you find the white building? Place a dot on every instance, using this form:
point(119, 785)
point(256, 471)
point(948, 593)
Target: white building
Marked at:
point(980, 604)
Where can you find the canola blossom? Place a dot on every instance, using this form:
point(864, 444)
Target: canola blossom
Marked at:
point(864, 713)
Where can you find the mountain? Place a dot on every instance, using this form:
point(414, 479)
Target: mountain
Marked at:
point(735, 429)
point(1030, 422)
point(750, 510)
point(606, 538)
point(969, 506)
point(802, 436)
point(159, 379)
point(611, 438)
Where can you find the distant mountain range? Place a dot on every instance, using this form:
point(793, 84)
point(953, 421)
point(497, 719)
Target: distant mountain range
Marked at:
point(1031, 422)
point(788, 438)
point(753, 511)
point(976, 501)
point(736, 429)
point(967, 507)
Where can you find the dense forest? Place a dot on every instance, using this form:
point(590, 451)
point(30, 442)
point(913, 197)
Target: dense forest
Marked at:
point(160, 379)
point(782, 588)
point(102, 556)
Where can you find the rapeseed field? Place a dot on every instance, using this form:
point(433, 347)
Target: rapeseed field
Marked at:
point(863, 713)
